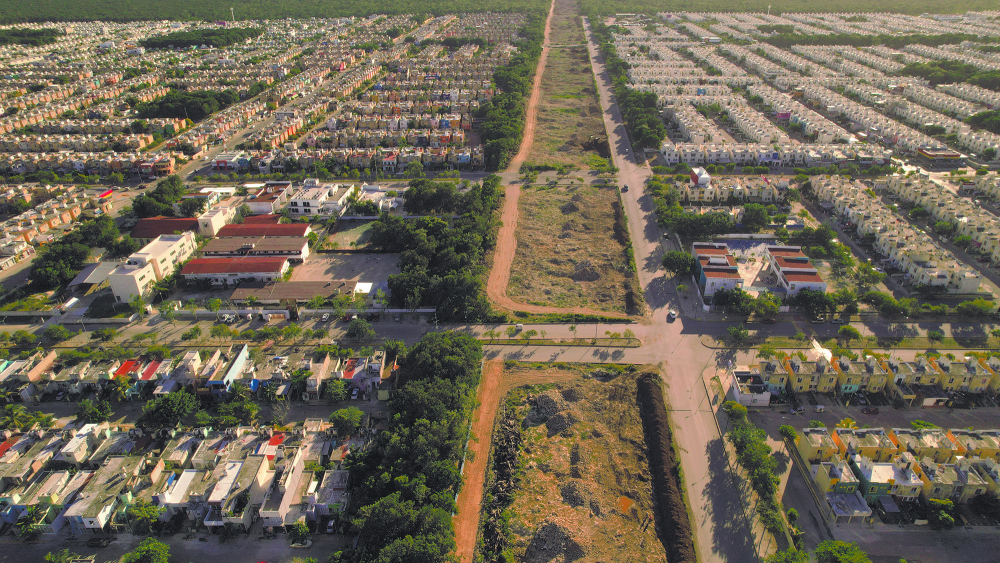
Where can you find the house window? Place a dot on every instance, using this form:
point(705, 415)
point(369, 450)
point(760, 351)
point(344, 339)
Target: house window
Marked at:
point(937, 490)
point(951, 380)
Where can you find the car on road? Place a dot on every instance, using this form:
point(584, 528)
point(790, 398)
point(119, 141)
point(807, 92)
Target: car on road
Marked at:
point(796, 410)
point(103, 541)
point(672, 315)
point(625, 188)
point(325, 317)
point(817, 320)
point(869, 410)
point(304, 545)
point(769, 321)
point(838, 321)
point(354, 394)
point(397, 318)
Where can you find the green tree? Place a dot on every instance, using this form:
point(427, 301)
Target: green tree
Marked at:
point(90, 411)
point(848, 333)
point(23, 338)
point(138, 304)
point(244, 411)
point(299, 532)
point(738, 333)
point(221, 331)
point(755, 217)
point(678, 262)
point(346, 421)
point(360, 329)
point(847, 423)
point(192, 207)
point(790, 555)
point(149, 551)
point(840, 552)
point(192, 334)
point(14, 417)
point(64, 556)
point(941, 514)
point(143, 513)
point(214, 305)
point(788, 432)
point(104, 334)
point(57, 333)
point(336, 390)
point(169, 409)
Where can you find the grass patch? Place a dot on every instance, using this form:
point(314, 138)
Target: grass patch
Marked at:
point(347, 232)
point(567, 89)
point(565, 256)
point(37, 302)
point(104, 307)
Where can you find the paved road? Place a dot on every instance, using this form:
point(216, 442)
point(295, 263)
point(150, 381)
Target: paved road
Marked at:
point(711, 491)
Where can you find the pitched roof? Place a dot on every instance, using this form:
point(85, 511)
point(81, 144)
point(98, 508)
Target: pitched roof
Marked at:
point(268, 230)
point(234, 265)
point(267, 219)
point(152, 227)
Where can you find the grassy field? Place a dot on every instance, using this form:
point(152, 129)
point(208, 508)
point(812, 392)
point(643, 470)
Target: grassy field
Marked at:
point(609, 7)
point(129, 10)
point(585, 489)
point(568, 111)
point(347, 232)
point(566, 254)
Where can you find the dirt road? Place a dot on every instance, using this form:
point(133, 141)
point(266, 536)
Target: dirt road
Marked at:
point(470, 497)
point(496, 286)
point(495, 383)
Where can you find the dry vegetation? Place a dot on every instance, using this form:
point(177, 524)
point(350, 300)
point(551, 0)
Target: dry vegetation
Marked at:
point(568, 110)
point(569, 251)
point(583, 453)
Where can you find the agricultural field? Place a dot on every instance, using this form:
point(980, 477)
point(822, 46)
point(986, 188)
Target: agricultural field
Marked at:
point(585, 490)
point(566, 254)
point(568, 110)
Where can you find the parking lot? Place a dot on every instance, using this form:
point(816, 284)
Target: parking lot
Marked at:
point(347, 266)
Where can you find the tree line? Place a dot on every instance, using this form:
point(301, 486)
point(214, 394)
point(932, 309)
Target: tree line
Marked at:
point(638, 109)
point(189, 105)
point(785, 40)
point(221, 37)
point(503, 115)
point(59, 262)
point(29, 37)
point(16, 11)
point(405, 484)
point(442, 263)
point(159, 201)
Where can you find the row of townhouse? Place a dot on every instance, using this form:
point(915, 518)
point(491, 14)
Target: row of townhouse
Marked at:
point(362, 138)
point(710, 57)
point(885, 466)
point(798, 155)
point(726, 189)
point(988, 98)
point(938, 53)
point(396, 119)
point(814, 125)
point(388, 160)
point(99, 126)
point(941, 203)
point(920, 259)
point(401, 93)
point(78, 143)
point(210, 478)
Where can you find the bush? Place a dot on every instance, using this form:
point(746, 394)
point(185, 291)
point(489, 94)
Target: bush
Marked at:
point(936, 335)
point(735, 410)
point(788, 432)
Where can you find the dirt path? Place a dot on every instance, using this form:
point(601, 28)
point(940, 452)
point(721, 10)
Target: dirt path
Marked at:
point(470, 497)
point(494, 384)
point(503, 258)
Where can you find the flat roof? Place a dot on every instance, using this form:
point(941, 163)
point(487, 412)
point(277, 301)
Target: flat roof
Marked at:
point(301, 290)
point(260, 244)
point(234, 265)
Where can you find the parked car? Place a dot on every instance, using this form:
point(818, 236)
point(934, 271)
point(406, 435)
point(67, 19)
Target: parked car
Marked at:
point(331, 526)
point(869, 410)
point(103, 541)
point(817, 320)
point(354, 394)
point(397, 318)
point(838, 321)
point(672, 315)
point(768, 321)
point(796, 410)
point(304, 545)
point(325, 317)
point(625, 188)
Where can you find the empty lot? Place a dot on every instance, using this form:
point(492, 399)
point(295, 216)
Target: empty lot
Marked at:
point(347, 266)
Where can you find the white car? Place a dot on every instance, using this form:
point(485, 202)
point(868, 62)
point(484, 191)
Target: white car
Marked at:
point(325, 317)
point(672, 314)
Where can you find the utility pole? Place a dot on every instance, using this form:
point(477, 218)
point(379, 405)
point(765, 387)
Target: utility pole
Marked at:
point(768, 9)
point(231, 13)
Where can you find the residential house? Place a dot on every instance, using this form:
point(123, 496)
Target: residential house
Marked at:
point(816, 445)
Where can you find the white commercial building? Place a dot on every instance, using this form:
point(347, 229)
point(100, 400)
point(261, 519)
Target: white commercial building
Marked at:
point(152, 263)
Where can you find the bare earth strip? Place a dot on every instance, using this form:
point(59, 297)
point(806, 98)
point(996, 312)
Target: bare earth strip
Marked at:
point(503, 258)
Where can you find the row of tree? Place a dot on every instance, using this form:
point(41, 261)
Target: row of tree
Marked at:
point(218, 38)
point(29, 37)
point(442, 264)
point(59, 262)
point(503, 115)
point(159, 201)
point(426, 197)
point(405, 484)
point(638, 109)
point(188, 105)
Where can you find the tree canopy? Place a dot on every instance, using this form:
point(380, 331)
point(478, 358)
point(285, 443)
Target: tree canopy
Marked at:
point(218, 38)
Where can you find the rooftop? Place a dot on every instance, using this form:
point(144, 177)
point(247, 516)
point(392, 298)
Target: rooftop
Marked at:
point(152, 227)
point(256, 230)
point(234, 265)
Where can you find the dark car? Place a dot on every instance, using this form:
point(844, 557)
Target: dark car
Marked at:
point(625, 188)
point(869, 410)
point(100, 542)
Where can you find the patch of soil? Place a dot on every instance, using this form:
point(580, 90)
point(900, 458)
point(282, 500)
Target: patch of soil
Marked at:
point(586, 485)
